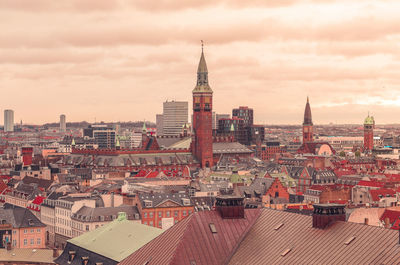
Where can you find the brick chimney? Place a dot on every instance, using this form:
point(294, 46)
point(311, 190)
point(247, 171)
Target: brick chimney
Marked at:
point(230, 206)
point(326, 214)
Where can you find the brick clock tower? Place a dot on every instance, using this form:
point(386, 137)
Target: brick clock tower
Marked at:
point(308, 135)
point(369, 124)
point(202, 140)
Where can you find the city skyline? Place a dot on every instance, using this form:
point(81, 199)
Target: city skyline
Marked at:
point(270, 61)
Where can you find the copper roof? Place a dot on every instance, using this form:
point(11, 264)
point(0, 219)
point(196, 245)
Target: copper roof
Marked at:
point(192, 241)
point(296, 242)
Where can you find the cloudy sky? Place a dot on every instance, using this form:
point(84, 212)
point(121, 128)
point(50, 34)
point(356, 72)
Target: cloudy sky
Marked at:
point(118, 60)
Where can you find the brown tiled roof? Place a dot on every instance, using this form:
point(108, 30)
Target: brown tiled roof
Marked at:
point(192, 242)
point(296, 242)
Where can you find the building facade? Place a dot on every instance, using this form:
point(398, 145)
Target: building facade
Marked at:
point(63, 124)
point(202, 143)
point(8, 120)
point(174, 117)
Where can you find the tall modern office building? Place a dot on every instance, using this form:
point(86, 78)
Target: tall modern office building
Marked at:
point(8, 120)
point(103, 135)
point(175, 115)
point(63, 125)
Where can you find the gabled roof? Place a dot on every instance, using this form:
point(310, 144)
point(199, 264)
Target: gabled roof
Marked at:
point(158, 199)
point(391, 214)
point(116, 240)
point(230, 148)
point(381, 193)
point(19, 217)
point(296, 242)
point(191, 241)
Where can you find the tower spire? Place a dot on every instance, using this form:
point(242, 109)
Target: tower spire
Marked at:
point(202, 74)
point(307, 114)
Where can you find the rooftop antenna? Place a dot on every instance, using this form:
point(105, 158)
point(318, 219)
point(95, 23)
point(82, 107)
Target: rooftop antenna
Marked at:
point(202, 45)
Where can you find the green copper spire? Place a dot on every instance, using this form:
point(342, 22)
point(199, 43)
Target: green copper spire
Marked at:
point(369, 120)
point(117, 144)
point(144, 129)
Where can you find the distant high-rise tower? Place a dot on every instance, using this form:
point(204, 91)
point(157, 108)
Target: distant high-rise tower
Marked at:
point(202, 144)
point(8, 120)
point(369, 124)
point(63, 125)
point(175, 115)
point(308, 135)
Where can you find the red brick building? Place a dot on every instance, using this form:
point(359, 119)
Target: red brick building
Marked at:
point(202, 143)
point(308, 135)
point(277, 190)
point(163, 210)
point(369, 124)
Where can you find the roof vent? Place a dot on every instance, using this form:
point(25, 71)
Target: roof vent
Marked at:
point(284, 253)
point(212, 228)
point(348, 241)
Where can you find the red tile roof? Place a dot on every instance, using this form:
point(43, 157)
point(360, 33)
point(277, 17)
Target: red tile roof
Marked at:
point(152, 174)
point(372, 183)
point(383, 192)
point(192, 242)
point(38, 200)
point(391, 214)
point(3, 186)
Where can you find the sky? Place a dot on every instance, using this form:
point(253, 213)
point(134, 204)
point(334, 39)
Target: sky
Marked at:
point(119, 60)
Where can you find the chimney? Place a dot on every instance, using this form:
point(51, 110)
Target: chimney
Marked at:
point(112, 199)
point(55, 252)
point(8, 245)
point(326, 214)
point(230, 206)
point(366, 221)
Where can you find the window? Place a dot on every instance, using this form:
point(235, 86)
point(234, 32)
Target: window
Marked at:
point(14, 242)
point(160, 214)
point(32, 241)
point(25, 231)
point(184, 212)
point(25, 242)
point(176, 213)
point(38, 230)
point(151, 214)
point(14, 232)
point(168, 213)
point(151, 223)
point(87, 227)
point(190, 211)
point(159, 224)
point(38, 241)
point(145, 215)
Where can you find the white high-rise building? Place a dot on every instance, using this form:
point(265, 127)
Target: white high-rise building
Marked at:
point(63, 125)
point(8, 120)
point(175, 115)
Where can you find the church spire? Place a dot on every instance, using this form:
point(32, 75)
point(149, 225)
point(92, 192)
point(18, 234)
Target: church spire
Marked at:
point(307, 114)
point(202, 74)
